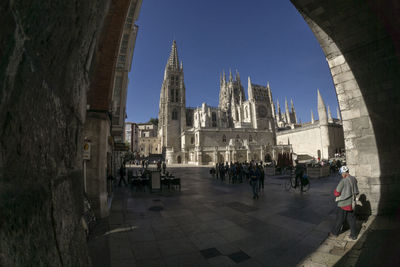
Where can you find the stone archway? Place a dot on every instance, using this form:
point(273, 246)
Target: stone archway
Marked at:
point(363, 56)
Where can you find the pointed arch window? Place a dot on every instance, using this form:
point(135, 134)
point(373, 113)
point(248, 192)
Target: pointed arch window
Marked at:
point(174, 114)
point(172, 95)
point(176, 95)
point(214, 119)
point(224, 138)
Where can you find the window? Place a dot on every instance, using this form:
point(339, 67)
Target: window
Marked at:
point(174, 114)
point(250, 138)
point(224, 138)
point(214, 119)
point(172, 95)
point(177, 96)
point(247, 112)
point(192, 140)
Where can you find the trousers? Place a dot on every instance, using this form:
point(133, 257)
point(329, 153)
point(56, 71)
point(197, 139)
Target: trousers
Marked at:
point(341, 216)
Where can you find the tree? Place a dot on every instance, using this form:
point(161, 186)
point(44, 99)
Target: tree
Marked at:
point(154, 121)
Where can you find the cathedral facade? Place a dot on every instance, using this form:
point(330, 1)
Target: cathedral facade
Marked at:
point(239, 129)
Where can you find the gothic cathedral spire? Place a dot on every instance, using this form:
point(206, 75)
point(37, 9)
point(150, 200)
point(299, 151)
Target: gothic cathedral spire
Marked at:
point(172, 107)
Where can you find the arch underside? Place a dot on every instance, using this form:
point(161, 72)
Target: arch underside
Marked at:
point(361, 51)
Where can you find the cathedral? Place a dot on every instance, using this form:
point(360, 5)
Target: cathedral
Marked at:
point(239, 129)
point(236, 130)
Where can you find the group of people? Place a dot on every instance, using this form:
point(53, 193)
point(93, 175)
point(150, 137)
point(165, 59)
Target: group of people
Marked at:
point(238, 172)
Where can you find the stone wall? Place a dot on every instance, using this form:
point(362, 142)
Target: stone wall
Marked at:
point(45, 57)
point(308, 140)
point(304, 141)
point(361, 42)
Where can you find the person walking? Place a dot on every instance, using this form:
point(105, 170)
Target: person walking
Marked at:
point(299, 172)
point(164, 166)
point(122, 175)
point(254, 174)
point(262, 177)
point(345, 193)
point(221, 171)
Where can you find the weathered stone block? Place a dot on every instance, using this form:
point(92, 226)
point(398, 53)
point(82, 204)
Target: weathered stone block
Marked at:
point(339, 60)
point(343, 77)
point(352, 113)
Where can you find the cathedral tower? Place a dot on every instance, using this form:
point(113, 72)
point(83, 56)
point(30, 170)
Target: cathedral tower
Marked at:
point(259, 98)
point(231, 95)
point(172, 107)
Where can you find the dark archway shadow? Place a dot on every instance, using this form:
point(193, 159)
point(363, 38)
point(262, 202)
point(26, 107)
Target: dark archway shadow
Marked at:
point(379, 246)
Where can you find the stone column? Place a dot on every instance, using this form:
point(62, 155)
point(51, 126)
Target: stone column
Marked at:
point(97, 129)
point(234, 152)
point(262, 153)
point(200, 157)
point(227, 155)
point(216, 155)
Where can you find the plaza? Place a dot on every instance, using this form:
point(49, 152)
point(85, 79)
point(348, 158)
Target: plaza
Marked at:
point(65, 73)
point(214, 223)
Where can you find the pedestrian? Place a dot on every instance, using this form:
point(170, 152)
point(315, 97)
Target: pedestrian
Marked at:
point(159, 165)
point(262, 177)
point(217, 170)
point(164, 166)
point(299, 172)
point(254, 174)
point(345, 194)
point(222, 171)
point(122, 175)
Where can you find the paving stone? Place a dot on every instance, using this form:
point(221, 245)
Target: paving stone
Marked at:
point(151, 263)
point(123, 263)
point(168, 233)
point(221, 261)
point(146, 250)
point(234, 233)
point(210, 253)
point(207, 240)
point(173, 247)
point(190, 260)
point(239, 256)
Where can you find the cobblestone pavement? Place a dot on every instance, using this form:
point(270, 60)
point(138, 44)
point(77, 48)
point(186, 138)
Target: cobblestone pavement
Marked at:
point(211, 223)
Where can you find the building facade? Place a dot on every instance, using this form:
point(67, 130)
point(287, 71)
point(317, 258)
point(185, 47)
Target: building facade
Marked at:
point(319, 139)
point(142, 138)
point(239, 129)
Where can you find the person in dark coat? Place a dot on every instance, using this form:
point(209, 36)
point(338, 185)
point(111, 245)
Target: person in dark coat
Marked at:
point(254, 174)
point(122, 175)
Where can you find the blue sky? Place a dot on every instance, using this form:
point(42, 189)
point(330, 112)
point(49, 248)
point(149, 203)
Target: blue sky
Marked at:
point(266, 40)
